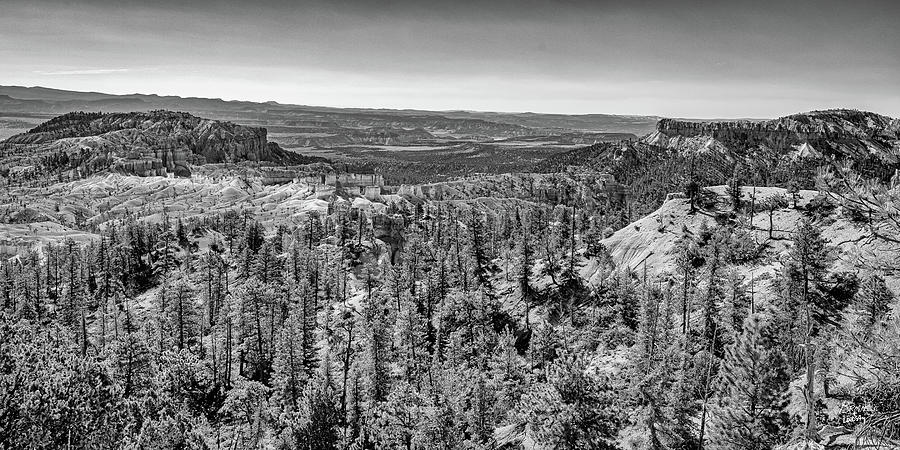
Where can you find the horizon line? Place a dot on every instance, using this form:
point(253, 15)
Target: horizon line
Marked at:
point(381, 108)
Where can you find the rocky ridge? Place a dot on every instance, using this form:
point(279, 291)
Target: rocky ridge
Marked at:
point(837, 134)
point(146, 143)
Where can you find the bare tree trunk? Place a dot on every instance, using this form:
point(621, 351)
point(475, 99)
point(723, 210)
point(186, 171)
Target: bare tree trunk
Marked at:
point(84, 341)
point(346, 370)
point(685, 305)
point(811, 428)
point(771, 213)
point(227, 367)
point(706, 389)
point(259, 331)
point(180, 321)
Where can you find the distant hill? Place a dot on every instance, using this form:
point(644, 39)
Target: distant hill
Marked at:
point(608, 123)
point(141, 143)
point(46, 100)
point(865, 139)
point(837, 133)
point(763, 153)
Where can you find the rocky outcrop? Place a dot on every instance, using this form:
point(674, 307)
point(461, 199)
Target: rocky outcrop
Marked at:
point(216, 141)
point(145, 167)
point(834, 133)
point(227, 142)
point(274, 175)
point(148, 143)
point(434, 191)
point(389, 229)
point(354, 179)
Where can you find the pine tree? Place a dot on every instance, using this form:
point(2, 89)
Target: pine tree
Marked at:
point(692, 190)
point(793, 191)
point(267, 265)
point(734, 188)
point(213, 292)
point(24, 298)
point(131, 356)
point(344, 340)
point(165, 254)
point(181, 235)
point(398, 418)
point(294, 359)
point(246, 263)
point(252, 319)
point(183, 312)
point(110, 289)
point(686, 262)
point(753, 384)
point(807, 269)
point(478, 405)
point(377, 345)
point(527, 292)
point(484, 268)
point(409, 340)
point(657, 367)
point(715, 294)
point(738, 303)
point(254, 236)
point(245, 409)
point(574, 409)
point(315, 426)
point(6, 285)
point(509, 372)
point(873, 301)
point(74, 303)
point(770, 205)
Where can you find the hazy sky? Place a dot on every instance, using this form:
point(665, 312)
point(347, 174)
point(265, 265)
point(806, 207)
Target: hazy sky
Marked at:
point(709, 59)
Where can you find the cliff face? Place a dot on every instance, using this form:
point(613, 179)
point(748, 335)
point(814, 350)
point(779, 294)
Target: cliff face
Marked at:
point(833, 133)
point(225, 141)
point(151, 143)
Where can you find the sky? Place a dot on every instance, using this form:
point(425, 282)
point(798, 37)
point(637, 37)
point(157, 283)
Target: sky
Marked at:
point(696, 58)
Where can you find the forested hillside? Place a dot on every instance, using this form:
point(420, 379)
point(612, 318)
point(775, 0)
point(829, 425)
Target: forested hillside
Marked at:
point(537, 311)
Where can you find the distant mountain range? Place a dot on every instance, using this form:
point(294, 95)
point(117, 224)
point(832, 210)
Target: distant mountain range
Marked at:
point(19, 99)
